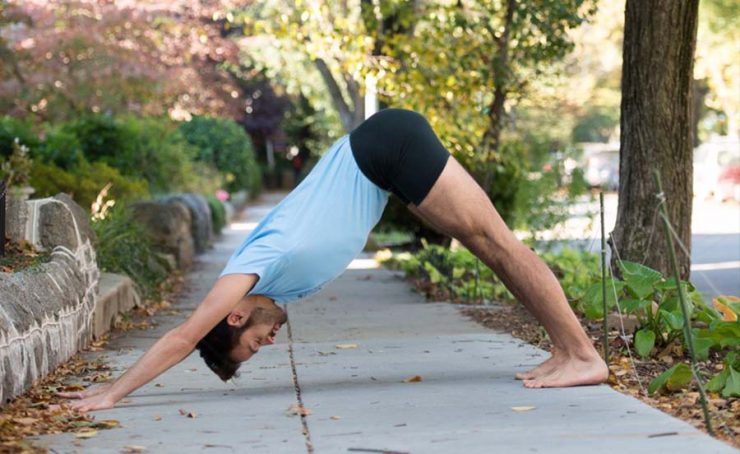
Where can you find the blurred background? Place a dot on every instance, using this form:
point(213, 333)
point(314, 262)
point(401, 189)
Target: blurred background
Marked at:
point(230, 97)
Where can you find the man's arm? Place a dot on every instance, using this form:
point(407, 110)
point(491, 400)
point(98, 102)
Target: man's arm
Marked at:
point(173, 347)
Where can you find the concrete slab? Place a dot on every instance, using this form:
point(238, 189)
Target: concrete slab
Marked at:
point(116, 295)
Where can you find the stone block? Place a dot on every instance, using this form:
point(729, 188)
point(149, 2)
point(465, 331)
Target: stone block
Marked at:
point(169, 226)
point(201, 223)
point(16, 217)
point(116, 294)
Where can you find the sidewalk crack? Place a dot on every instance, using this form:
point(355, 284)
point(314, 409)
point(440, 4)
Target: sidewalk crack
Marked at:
point(297, 386)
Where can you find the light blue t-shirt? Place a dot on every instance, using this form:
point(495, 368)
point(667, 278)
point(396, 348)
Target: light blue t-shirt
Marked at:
point(311, 236)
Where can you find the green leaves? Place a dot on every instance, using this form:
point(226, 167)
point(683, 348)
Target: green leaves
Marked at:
point(434, 275)
point(635, 306)
point(675, 378)
point(639, 278)
point(644, 342)
point(593, 305)
point(727, 381)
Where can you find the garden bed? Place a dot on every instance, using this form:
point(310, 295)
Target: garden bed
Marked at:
point(18, 257)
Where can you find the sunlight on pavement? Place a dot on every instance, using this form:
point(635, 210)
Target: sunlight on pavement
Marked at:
point(715, 266)
point(243, 225)
point(363, 264)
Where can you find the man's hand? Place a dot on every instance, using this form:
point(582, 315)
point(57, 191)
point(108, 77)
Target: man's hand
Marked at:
point(98, 402)
point(93, 398)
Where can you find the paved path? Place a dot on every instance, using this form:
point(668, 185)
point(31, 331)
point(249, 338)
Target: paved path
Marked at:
point(358, 397)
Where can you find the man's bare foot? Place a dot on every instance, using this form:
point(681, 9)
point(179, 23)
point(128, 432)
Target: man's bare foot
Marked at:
point(572, 372)
point(544, 368)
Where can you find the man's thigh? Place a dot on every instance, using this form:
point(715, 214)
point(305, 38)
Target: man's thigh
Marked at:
point(458, 207)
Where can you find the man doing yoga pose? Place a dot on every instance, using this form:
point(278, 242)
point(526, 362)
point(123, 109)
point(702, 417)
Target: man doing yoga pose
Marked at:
point(310, 237)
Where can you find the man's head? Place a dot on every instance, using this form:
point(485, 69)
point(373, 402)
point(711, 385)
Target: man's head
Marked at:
point(251, 324)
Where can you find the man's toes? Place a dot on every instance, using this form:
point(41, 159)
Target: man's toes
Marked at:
point(524, 375)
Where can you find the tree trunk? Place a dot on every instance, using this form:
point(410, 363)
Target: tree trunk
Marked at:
point(656, 130)
point(496, 112)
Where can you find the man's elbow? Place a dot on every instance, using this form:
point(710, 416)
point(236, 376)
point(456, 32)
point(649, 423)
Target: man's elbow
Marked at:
point(180, 341)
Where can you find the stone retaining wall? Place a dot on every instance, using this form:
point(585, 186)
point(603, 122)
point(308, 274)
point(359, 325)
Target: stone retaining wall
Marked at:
point(46, 311)
point(52, 310)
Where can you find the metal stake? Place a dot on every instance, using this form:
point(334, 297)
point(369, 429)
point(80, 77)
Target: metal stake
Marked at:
point(3, 191)
point(603, 279)
point(682, 299)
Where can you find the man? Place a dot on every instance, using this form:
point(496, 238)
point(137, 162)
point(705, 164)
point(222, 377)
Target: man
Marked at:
point(314, 233)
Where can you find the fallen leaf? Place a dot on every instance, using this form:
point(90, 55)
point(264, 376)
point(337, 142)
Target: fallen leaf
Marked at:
point(189, 414)
point(728, 315)
point(299, 410)
point(157, 418)
point(26, 421)
point(70, 388)
point(523, 408)
point(335, 418)
point(108, 424)
point(414, 379)
point(133, 448)
point(345, 346)
point(88, 433)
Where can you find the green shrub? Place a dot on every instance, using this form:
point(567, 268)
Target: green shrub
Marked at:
point(12, 128)
point(61, 148)
point(224, 144)
point(140, 147)
point(459, 273)
point(159, 154)
point(84, 182)
point(203, 178)
point(218, 213)
point(124, 246)
point(101, 137)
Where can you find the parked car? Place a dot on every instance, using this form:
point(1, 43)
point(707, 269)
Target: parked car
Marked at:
point(717, 169)
point(601, 165)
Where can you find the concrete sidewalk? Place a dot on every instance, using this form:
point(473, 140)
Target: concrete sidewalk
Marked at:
point(345, 356)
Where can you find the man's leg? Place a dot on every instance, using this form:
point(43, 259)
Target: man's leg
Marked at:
point(458, 207)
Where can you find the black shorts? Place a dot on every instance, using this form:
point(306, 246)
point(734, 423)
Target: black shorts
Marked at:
point(397, 150)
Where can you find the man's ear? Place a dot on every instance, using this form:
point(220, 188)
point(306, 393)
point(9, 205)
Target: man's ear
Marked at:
point(237, 318)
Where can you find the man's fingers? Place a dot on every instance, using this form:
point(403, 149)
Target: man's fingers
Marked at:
point(70, 395)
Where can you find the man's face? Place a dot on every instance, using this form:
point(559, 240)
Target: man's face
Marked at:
point(252, 339)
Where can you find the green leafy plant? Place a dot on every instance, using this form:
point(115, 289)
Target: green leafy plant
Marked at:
point(224, 144)
point(218, 213)
point(147, 148)
point(17, 168)
point(728, 381)
point(674, 379)
point(645, 294)
point(458, 273)
point(12, 129)
point(84, 181)
point(124, 246)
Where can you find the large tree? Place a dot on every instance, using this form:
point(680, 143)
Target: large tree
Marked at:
point(656, 129)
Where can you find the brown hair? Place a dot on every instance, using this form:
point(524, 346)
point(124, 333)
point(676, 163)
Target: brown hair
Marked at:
point(216, 346)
